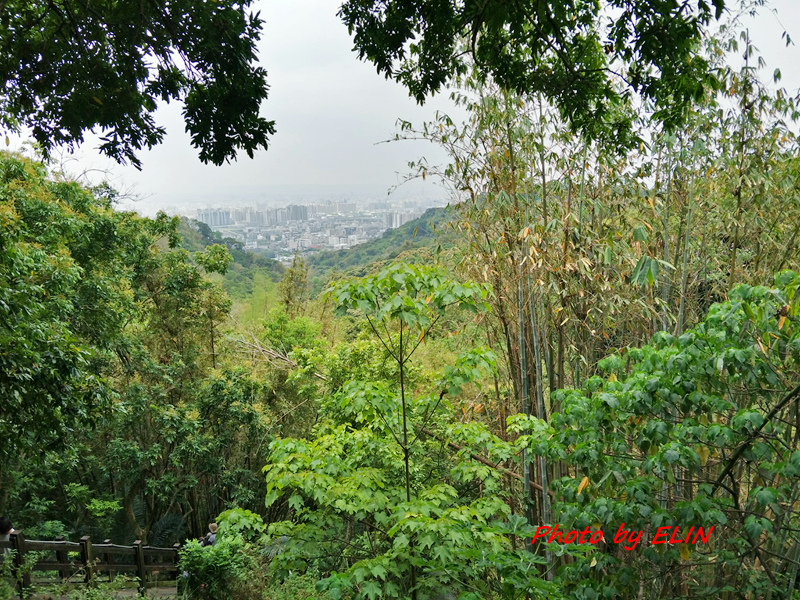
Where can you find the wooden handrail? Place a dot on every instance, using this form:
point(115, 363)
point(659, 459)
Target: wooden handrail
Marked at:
point(93, 558)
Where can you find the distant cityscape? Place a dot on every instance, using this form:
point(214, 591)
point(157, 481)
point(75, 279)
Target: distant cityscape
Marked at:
point(304, 228)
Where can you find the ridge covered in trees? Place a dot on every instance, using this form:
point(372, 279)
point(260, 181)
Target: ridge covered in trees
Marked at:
point(410, 240)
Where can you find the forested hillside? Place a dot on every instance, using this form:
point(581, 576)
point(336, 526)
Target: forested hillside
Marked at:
point(418, 237)
point(580, 381)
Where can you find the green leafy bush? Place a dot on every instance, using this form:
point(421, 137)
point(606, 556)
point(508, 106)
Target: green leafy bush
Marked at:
point(47, 530)
point(376, 504)
point(10, 577)
point(96, 591)
point(296, 587)
point(6, 581)
point(241, 522)
point(228, 569)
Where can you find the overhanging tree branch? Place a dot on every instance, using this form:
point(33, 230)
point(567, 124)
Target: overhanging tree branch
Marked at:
point(790, 397)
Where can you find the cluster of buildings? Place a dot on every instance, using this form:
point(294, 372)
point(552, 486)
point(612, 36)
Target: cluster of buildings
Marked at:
point(395, 219)
point(283, 232)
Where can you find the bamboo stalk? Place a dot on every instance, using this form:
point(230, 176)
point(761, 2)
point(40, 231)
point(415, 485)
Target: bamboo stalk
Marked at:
point(684, 274)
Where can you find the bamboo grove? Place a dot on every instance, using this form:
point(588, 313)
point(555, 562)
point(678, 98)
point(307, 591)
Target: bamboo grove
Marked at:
point(592, 255)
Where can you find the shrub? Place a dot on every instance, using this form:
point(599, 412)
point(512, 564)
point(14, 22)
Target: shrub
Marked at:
point(227, 570)
point(6, 577)
point(47, 530)
point(98, 590)
point(296, 587)
point(241, 522)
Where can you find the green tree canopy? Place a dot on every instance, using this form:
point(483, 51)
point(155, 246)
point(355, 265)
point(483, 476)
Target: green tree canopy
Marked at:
point(576, 53)
point(77, 282)
point(72, 67)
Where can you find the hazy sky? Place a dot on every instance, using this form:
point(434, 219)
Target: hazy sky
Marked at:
point(331, 110)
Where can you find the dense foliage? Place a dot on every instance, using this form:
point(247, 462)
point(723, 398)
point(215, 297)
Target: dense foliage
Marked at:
point(574, 53)
point(71, 67)
point(692, 430)
point(598, 343)
point(110, 333)
point(247, 272)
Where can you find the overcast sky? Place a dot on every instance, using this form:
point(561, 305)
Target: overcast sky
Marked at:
point(331, 110)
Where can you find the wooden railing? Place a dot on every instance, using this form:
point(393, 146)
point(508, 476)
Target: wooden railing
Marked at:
point(94, 560)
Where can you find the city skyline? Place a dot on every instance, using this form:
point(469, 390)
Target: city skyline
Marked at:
point(282, 232)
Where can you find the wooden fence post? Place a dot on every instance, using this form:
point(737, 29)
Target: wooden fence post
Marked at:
point(139, 555)
point(180, 582)
point(23, 575)
point(177, 547)
point(63, 557)
point(86, 556)
point(109, 560)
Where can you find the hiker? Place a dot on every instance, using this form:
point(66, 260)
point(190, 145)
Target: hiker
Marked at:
point(211, 536)
point(5, 531)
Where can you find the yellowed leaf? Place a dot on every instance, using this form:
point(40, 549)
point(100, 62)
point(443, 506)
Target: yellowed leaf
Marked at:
point(593, 563)
point(612, 377)
point(583, 484)
point(781, 321)
point(684, 550)
point(703, 452)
